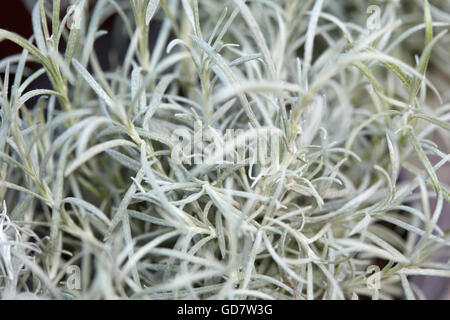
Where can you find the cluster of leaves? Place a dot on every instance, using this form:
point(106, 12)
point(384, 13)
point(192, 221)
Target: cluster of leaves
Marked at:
point(87, 176)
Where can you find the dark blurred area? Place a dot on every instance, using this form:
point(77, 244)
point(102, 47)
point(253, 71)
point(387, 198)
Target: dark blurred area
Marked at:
point(14, 16)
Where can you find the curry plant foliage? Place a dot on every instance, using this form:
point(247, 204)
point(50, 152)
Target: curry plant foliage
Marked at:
point(349, 98)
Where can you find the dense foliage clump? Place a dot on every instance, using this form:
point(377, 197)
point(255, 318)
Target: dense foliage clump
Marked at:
point(350, 99)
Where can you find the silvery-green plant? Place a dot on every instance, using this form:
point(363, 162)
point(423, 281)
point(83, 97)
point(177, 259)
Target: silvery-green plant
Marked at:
point(357, 91)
